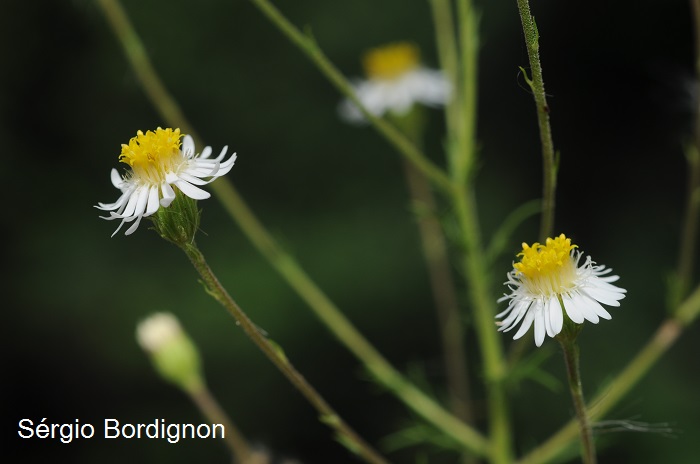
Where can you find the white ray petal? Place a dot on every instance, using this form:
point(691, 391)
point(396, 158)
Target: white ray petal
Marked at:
point(595, 306)
point(191, 191)
point(168, 194)
point(572, 310)
point(556, 317)
point(582, 303)
point(523, 308)
point(133, 228)
point(547, 320)
point(188, 146)
point(116, 179)
point(525, 326)
point(604, 296)
point(539, 327)
point(153, 202)
point(206, 153)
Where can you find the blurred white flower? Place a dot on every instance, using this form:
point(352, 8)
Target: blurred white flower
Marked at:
point(174, 355)
point(157, 331)
point(157, 165)
point(395, 82)
point(548, 280)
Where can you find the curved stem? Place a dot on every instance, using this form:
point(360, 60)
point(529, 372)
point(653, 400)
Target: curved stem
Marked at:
point(308, 45)
point(573, 375)
point(343, 329)
point(549, 170)
point(327, 414)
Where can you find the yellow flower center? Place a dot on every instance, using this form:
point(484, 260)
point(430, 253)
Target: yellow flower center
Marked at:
point(391, 61)
point(153, 154)
point(548, 268)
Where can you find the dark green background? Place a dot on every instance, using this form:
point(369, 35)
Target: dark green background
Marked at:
point(621, 84)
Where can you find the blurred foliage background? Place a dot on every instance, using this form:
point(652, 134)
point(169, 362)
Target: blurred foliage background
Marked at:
point(622, 93)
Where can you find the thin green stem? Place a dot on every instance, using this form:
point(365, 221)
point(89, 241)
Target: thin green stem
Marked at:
point(327, 414)
point(660, 342)
point(343, 329)
point(445, 38)
point(308, 45)
point(444, 295)
point(459, 64)
point(549, 169)
point(210, 408)
point(691, 217)
point(135, 52)
point(484, 311)
point(469, 77)
point(573, 375)
point(468, 437)
point(434, 246)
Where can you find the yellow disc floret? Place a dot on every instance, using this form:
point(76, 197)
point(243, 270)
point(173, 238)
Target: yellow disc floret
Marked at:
point(545, 259)
point(153, 154)
point(391, 61)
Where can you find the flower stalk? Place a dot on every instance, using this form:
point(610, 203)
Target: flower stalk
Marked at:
point(437, 261)
point(567, 340)
point(176, 358)
point(691, 216)
point(327, 414)
point(536, 83)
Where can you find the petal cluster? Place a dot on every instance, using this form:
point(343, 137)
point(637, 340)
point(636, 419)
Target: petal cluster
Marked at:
point(156, 170)
point(395, 82)
point(570, 289)
point(421, 85)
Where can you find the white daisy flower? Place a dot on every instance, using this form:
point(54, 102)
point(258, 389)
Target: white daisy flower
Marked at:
point(549, 280)
point(157, 165)
point(395, 82)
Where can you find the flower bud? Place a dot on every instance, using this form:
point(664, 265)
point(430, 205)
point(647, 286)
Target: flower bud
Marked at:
point(172, 352)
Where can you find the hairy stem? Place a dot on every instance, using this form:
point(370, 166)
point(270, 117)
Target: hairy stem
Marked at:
point(549, 170)
point(573, 375)
point(327, 414)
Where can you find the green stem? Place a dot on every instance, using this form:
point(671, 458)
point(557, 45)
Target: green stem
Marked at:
point(210, 408)
point(327, 414)
point(343, 329)
point(484, 311)
point(469, 48)
point(156, 91)
point(309, 46)
point(438, 266)
point(468, 437)
point(445, 38)
point(571, 356)
point(660, 342)
point(691, 217)
point(549, 170)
